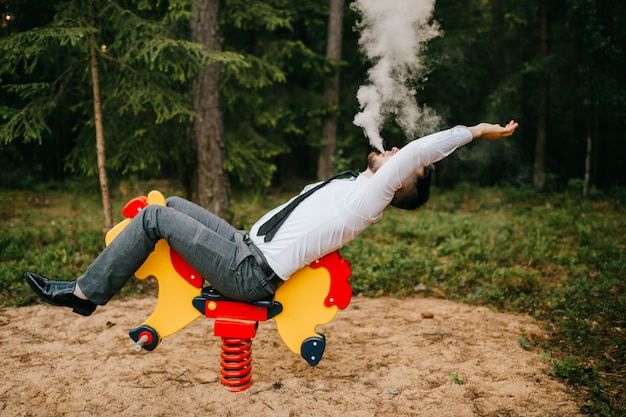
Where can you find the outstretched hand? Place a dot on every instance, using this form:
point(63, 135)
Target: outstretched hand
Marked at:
point(493, 131)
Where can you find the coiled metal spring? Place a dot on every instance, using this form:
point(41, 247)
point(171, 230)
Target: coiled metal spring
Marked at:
point(236, 364)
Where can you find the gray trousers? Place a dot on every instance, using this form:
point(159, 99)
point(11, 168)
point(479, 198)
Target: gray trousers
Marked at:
point(213, 247)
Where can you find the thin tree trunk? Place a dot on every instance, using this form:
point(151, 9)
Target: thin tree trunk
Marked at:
point(100, 144)
point(587, 166)
point(539, 173)
point(212, 187)
point(326, 162)
point(591, 133)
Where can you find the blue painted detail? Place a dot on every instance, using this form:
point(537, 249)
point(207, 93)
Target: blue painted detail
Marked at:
point(312, 349)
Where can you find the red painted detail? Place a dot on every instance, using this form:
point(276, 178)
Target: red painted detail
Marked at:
point(148, 335)
point(235, 310)
point(185, 270)
point(340, 292)
point(134, 206)
point(235, 328)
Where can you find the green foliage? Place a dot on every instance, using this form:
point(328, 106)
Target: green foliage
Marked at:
point(248, 157)
point(587, 377)
point(145, 65)
point(52, 232)
point(523, 339)
point(274, 105)
point(247, 15)
point(485, 67)
point(488, 66)
point(56, 233)
point(23, 51)
point(26, 53)
point(455, 379)
point(569, 369)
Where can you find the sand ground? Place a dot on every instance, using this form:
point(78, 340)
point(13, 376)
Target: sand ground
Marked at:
point(383, 358)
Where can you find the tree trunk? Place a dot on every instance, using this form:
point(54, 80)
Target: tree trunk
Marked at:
point(326, 162)
point(539, 173)
point(587, 166)
point(212, 187)
point(591, 133)
point(100, 146)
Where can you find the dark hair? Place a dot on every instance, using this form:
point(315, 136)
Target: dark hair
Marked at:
point(415, 192)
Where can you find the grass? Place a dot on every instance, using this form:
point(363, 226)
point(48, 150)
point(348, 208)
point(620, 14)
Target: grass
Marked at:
point(556, 257)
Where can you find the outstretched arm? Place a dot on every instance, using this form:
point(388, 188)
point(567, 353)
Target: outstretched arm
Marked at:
point(493, 131)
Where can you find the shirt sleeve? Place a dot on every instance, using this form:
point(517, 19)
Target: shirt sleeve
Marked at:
point(418, 153)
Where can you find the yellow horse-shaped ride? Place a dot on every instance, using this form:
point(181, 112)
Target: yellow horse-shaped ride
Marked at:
point(311, 297)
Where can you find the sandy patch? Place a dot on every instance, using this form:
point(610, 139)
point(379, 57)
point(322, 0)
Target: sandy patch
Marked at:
point(382, 359)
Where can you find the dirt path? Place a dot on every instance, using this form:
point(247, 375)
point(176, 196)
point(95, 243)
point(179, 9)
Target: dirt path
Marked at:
point(382, 359)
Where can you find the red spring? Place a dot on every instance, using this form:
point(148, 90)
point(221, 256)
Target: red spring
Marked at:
point(236, 364)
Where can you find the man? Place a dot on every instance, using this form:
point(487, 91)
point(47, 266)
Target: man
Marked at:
point(250, 266)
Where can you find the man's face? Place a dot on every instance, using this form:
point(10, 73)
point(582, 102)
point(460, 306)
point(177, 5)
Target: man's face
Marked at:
point(376, 160)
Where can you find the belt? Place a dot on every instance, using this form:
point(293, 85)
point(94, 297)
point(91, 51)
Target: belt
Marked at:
point(270, 275)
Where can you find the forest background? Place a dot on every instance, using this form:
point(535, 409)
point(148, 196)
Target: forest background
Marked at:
point(557, 67)
point(229, 100)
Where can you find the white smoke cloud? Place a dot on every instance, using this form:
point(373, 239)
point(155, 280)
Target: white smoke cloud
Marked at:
point(392, 35)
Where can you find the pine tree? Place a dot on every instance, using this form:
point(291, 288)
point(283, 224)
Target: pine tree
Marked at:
point(144, 64)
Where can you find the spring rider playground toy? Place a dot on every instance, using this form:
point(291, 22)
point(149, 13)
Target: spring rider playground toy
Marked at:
point(312, 296)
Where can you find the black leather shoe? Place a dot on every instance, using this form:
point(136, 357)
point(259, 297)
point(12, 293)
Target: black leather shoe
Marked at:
point(59, 293)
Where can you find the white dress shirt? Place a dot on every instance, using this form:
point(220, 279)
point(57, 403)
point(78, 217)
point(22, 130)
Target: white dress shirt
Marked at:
point(335, 214)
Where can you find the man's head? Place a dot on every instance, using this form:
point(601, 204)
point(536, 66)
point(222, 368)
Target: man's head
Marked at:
point(415, 191)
